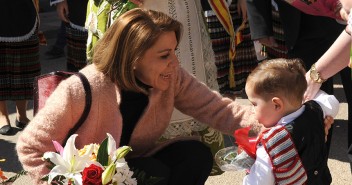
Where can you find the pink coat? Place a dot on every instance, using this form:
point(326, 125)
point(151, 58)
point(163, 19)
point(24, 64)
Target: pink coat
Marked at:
point(65, 106)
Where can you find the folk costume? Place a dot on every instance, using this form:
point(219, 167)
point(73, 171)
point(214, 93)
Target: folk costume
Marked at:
point(19, 49)
point(231, 72)
point(76, 34)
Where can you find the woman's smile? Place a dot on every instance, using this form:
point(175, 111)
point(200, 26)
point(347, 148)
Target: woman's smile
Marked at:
point(157, 65)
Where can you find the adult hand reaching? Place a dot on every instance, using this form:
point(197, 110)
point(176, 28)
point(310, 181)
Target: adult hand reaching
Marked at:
point(312, 88)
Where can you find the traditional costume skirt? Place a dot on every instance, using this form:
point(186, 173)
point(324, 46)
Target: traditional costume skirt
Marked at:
point(281, 50)
point(76, 48)
point(76, 35)
point(19, 49)
point(245, 60)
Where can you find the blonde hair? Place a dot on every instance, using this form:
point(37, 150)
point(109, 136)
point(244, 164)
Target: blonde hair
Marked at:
point(127, 40)
point(279, 77)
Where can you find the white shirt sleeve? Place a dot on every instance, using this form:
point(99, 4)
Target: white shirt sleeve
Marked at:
point(328, 103)
point(261, 172)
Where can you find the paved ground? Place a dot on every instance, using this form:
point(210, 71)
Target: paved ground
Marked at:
point(338, 161)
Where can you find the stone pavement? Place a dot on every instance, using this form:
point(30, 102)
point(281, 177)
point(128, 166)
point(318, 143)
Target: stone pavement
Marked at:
point(338, 161)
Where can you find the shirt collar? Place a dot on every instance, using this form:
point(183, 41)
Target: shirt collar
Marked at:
point(289, 118)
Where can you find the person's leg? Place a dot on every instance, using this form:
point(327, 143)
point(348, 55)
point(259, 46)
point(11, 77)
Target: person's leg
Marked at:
point(5, 127)
point(57, 50)
point(151, 169)
point(190, 162)
point(21, 117)
point(61, 36)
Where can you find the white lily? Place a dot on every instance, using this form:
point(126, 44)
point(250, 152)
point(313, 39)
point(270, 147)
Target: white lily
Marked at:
point(118, 153)
point(123, 174)
point(69, 164)
point(117, 159)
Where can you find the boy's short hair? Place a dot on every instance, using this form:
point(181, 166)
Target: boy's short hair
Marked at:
point(279, 77)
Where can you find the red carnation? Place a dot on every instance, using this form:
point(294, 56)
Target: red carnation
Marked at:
point(92, 175)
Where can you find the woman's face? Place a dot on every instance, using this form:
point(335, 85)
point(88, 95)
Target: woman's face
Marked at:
point(157, 65)
point(346, 8)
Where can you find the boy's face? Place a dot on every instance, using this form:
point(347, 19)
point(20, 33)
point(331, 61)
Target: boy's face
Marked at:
point(265, 110)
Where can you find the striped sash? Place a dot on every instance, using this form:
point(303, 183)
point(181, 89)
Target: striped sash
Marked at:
point(222, 12)
point(287, 165)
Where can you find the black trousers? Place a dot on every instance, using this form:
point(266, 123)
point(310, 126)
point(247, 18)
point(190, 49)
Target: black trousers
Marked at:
point(181, 163)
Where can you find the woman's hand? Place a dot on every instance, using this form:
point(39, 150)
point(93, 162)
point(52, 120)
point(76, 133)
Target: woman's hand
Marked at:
point(328, 121)
point(62, 11)
point(312, 88)
point(137, 2)
point(242, 9)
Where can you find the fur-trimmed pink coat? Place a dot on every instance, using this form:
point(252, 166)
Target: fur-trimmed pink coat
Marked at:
point(65, 106)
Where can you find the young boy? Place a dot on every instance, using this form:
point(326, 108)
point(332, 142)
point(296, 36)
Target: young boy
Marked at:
point(292, 150)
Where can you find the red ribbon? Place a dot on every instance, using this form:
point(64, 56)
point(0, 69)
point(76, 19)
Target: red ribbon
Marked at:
point(245, 142)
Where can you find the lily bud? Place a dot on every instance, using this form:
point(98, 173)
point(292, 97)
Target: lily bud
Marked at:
point(108, 173)
point(122, 151)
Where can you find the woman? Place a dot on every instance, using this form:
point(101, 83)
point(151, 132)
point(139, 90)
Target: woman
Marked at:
point(136, 82)
point(195, 54)
point(19, 59)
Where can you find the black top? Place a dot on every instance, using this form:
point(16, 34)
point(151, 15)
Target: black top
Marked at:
point(132, 106)
point(77, 11)
point(17, 17)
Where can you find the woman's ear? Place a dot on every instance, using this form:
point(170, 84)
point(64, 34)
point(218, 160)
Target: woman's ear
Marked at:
point(278, 103)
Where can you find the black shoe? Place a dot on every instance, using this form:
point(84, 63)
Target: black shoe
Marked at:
point(20, 125)
point(5, 130)
point(55, 52)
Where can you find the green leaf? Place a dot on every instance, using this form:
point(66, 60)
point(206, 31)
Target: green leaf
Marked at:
point(103, 156)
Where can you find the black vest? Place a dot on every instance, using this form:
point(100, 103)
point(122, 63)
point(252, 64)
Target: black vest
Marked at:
point(308, 134)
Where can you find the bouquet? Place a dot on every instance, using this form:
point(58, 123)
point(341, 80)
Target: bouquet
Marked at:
point(94, 164)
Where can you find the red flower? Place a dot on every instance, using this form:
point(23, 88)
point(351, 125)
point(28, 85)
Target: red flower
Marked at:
point(92, 175)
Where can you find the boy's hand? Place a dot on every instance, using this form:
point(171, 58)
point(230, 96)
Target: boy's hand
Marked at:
point(328, 121)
